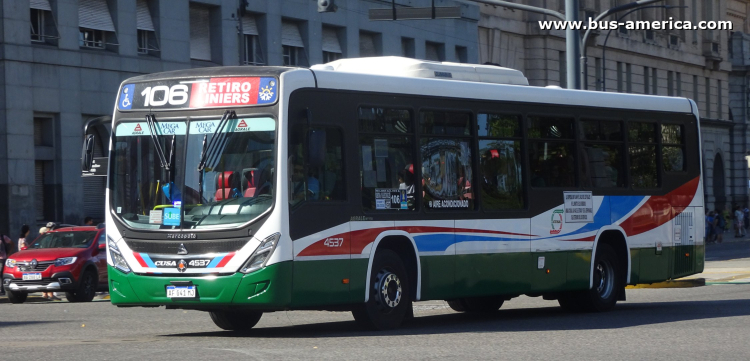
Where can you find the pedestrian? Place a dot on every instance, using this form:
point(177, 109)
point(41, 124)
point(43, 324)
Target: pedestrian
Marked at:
point(88, 221)
point(746, 218)
point(48, 295)
point(6, 244)
point(22, 244)
point(720, 225)
point(738, 218)
point(710, 233)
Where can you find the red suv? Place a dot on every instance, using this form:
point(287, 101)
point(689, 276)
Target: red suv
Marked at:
point(71, 259)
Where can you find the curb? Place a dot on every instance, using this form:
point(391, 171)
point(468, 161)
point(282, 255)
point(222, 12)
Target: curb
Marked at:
point(686, 283)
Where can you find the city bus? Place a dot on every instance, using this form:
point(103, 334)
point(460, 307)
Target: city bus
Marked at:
point(366, 184)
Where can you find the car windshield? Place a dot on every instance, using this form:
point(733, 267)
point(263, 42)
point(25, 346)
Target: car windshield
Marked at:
point(64, 240)
point(233, 186)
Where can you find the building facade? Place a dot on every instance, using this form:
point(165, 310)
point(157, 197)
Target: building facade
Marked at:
point(61, 62)
point(696, 64)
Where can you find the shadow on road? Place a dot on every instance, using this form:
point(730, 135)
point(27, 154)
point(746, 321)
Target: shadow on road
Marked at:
point(514, 320)
point(26, 323)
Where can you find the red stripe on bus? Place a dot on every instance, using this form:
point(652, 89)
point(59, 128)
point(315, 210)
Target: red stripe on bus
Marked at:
point(660, 209)
point(225, 260)
point(140, 259)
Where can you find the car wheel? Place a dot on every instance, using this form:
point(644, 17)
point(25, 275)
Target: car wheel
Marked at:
point(390, 300)
point(17, 297)
point(235, 320)
point(476, 304)
point(86, 288)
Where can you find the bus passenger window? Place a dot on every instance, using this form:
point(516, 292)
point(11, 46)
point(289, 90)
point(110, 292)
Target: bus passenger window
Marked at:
point(500, 160)
point(642, 153)
point(386, 156)
point(552, 152)
point(602, 154)
point(318, 176)
point(446, 160)
point(673, 152)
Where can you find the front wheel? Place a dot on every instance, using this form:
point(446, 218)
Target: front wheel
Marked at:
point(235, 320)
point(17, 297)
point(389, 301)
point(86, 288)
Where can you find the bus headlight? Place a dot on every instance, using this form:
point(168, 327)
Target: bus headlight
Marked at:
point(117, 259)
point(261, 255)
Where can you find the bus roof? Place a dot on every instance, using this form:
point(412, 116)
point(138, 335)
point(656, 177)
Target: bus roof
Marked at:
point(212, 72)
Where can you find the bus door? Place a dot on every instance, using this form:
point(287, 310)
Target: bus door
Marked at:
point(319, 206)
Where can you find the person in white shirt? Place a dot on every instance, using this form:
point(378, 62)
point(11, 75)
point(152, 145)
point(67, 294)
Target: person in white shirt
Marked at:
point(739, 217)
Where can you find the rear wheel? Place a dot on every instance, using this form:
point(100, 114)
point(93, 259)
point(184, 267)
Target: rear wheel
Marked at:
point(608, 282)
point(235, 320)
point(476, 304)
point(86, 288)
point(17, 297)
point(389, 302)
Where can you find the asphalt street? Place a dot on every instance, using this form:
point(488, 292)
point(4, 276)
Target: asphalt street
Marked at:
point(709, 322)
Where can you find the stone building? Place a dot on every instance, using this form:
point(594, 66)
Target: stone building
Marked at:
point(61, 62)
point(688, 63)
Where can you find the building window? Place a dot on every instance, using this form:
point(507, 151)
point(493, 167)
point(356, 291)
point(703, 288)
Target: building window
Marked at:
point(679, 84)
point(619, 77)
point(44, 168)
point(43, 28)
point(646, 80)
point(331, 45)
point(708, 97)
point(628, 78)
point(252, 54)
point(200, 33)
point(434, 51)
point(407, 48)
point(563, 62)
point(368, 44)
point(598, 73)
point(654, 82)
point(96, 30)
point(719, 101)
point(670, 83)
point(292, 45)
point(462, 54)
point(147, 43)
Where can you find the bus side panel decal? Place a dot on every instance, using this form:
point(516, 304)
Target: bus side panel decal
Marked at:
point(658, 209)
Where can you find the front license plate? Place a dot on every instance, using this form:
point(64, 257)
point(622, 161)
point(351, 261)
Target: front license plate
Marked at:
point(181, 291)
point(32, 276)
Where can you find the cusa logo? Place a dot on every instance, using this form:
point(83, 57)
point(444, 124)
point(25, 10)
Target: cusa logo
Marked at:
point(557, 221)
point(333, 242)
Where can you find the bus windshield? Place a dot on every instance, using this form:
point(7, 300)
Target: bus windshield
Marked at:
point(233, 186)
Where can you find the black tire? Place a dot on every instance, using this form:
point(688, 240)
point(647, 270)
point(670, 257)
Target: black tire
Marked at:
point(235, 320)
point(608, 283)
point(86, 288)
point(390, 297)
point(476, 304)
point(17, 297)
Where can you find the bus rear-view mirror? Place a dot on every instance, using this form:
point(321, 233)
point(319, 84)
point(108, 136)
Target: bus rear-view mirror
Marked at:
point(87, 153)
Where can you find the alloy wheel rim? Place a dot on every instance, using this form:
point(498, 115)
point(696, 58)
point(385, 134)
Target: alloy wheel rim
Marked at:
point(389, 290)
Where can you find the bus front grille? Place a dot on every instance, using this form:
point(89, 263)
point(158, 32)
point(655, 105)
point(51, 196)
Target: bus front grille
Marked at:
point(192, 247)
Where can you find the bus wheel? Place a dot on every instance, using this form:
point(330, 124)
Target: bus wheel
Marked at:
point(476, 304)
point(389, 294)
point(235, 320)
point(17, 297)
point(608, 281)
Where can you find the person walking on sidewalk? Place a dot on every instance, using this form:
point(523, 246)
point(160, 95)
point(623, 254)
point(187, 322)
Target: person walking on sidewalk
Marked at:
point(738, 218)
point(22, 244)
point(6, 244)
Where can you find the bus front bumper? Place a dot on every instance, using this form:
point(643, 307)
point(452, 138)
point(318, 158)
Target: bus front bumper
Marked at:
point(268, 289)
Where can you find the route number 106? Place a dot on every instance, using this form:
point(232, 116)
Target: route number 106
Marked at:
point(176, 95)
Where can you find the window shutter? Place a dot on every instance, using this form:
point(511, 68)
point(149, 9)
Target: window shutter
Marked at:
point(94, 14)
point(200, 33)
point(249, 27)
point(40, 4)
point(143, 16)
point(367, 45)
point(290, 35)
point(331, 41)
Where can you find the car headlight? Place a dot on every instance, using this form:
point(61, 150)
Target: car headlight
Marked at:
point(10, 263)
point(117, 259)
point(65, 261)
point(261, 255)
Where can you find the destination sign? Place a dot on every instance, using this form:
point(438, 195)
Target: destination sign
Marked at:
point(198, 93)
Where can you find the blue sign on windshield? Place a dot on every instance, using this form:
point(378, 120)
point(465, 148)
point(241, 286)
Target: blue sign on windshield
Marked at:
point(171, 217)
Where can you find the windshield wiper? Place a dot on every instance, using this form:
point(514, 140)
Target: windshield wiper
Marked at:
point(151, 121)
point(217, 142)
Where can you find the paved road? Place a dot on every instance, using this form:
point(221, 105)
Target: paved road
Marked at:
point(710, 322)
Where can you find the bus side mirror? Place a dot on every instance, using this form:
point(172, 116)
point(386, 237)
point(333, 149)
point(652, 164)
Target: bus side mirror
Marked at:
point(317, 148)
point(87, 153)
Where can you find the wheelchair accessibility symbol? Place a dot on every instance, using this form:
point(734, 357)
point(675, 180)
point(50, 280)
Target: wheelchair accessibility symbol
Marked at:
point(126, 101)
